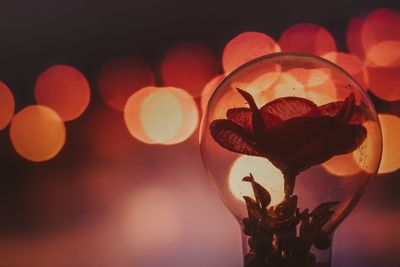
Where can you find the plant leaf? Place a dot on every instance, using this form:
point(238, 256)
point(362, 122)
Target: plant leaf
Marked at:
point(253, 208)
point(323, 207)
point(262, 195)
point(287, 208)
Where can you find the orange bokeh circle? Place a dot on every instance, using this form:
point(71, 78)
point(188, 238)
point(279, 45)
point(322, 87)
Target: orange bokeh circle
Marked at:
point(391, 143)
point(353, 38)
point(380, 37)
point(7, 105)
point(307, 38)
point(384, 82)
point(351, 64)
point(64, 89)
point(245, 47)
point(37, 133)
point(161, 115)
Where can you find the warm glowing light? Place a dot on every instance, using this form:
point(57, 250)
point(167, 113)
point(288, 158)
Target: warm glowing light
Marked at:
point(288, 85)
point(391, 143)
point(152, 222)
point(320, 90)
point(107, 134)
point(189, 66)
point(264, 173)
point(245, 47)
point(310, 77)
point(161, 115)
point(353, 38)
point(307, 38)
point(385, 54)
point(121, 77)
point(351, 64)
point(37, 133)
point(7, 105)
point(343, 165)
point(164, 115)
point(380, 26)
point(64, 89)
point(367, 155)
point(261, 85)
point(209, 89)
point(384, 82)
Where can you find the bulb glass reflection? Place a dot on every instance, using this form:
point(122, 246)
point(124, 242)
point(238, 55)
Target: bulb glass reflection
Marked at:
point(226, 136)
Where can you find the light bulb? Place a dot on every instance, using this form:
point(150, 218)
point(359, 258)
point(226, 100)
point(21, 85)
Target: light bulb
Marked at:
point(265, 150)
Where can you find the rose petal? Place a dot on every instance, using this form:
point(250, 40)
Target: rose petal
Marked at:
point(332, 109)
point(233, 137)
point(241, 116)
point(285, 138)
point(257, 121)
point(286, 108)
point(341, 140)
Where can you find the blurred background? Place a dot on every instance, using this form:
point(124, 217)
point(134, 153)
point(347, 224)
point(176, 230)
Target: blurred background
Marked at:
point(100, 105)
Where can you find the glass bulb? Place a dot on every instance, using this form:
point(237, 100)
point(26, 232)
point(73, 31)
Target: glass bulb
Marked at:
point(291, 142)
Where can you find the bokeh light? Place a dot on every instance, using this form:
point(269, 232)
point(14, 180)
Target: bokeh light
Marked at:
point(189, 66)
point(107, 133)
point(245, 47)
point(7, 105)
point(37, 133)
point(385, 54)
point(64, 89)
point(343, 165)
point(391, 143)
point(307, 38)
point(209, 89)
point(161, 115)
point(310, 77)
point(119, 78)
point(351, 64)
point(152, 222)
point(353, 38)
point(384, 82)
point(264, 173)
point(367, 154)
point(315, 85)
point(379, 33)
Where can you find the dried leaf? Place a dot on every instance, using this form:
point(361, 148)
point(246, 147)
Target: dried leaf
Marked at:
point(324, 207)
point(262, 195)
point(323, 241)
point(319, 220)
point(287, 208)
point(253, 208)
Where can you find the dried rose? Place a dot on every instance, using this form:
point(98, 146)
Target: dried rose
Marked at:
point(291, 132)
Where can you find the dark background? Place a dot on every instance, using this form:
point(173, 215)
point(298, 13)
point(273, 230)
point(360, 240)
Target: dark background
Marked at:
point(36, 34)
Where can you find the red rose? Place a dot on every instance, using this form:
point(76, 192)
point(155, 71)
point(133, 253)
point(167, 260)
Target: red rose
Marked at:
point(291, 132)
